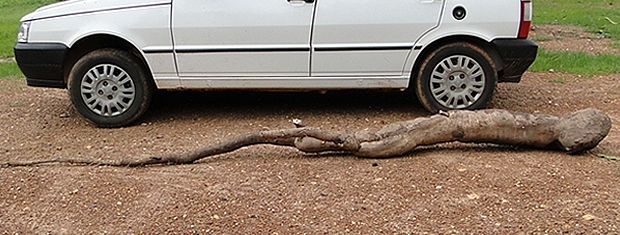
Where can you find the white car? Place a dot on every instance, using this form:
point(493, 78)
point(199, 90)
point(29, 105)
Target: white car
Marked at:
point(112, 54)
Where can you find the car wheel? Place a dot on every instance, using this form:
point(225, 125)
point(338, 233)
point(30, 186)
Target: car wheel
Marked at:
point(110, 88)
point(456, 76)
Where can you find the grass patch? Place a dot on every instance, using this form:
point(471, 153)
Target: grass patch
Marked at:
point(576, 62)
point(559, 80)
point(597, 16)
point(608, 157)
point(16, 104)
point(11, 12)
point(616, 44)
point(10, 70)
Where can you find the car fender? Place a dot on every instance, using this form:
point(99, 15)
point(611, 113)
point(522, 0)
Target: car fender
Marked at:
point(126, 24)
point(484, 20)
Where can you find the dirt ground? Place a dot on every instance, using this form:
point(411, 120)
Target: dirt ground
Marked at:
point(445, 189)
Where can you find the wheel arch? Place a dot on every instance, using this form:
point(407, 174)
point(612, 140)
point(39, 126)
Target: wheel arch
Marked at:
point(485, 45)
point(95, 42)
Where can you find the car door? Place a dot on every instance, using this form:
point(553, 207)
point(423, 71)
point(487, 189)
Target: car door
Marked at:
point(368, 37)
point(240, 38)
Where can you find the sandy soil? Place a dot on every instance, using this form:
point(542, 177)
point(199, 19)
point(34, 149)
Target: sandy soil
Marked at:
point(451, 188)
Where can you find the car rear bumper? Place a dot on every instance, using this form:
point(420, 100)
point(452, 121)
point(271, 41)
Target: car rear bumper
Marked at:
point(517, 55)
point(42, 63)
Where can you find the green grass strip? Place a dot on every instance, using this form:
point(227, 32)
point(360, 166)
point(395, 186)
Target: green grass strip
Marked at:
point(10, 70)
point(11, 12)
point(576, 62)
point(598, 16)
point(608, 157)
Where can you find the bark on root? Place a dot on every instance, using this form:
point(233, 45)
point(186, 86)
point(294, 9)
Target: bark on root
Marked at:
point(574, 132)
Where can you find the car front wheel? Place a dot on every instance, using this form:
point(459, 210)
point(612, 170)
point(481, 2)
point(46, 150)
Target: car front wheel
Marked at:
point(110, 88)
point(456, 76)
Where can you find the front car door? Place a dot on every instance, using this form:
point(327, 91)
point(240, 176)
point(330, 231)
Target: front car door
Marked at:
point(241, 38)
point(353, 38)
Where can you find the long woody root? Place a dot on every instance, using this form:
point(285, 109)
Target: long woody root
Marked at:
point(574, 132)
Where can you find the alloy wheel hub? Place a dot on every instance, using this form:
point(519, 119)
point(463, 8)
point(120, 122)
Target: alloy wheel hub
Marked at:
point(108, 90)
point(457, 82)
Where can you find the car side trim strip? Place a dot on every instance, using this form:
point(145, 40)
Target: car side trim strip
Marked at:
point(277, 49)
point(157, 51)
point(242, 48)
point(362, 48)
point(222, 50)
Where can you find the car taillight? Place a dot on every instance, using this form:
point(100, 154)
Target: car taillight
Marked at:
point(526, 18)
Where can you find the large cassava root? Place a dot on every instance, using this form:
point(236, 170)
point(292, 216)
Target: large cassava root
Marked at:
point(574, 132)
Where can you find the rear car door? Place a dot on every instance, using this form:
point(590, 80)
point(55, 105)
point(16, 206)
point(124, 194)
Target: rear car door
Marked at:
point(368, 37)
point(225, 38)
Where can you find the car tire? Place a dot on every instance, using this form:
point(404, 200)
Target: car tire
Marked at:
point(110, 88)
point(456, 76)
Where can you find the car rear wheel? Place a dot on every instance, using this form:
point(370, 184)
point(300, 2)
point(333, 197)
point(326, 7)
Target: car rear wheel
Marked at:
point(456, 76)
point(110, 88)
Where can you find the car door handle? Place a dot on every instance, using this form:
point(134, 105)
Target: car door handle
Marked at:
point(297, 1)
